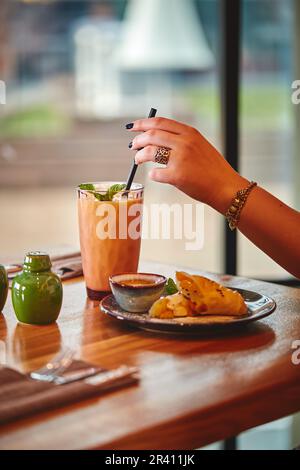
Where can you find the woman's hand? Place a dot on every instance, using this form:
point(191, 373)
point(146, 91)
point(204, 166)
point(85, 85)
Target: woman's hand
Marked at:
point(195, 166)
point(200, 171)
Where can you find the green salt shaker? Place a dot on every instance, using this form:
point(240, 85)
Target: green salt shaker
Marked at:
point(37, 291)
point(3, 287)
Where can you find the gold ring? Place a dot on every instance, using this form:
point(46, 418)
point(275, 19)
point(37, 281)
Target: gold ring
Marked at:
point(162, 155)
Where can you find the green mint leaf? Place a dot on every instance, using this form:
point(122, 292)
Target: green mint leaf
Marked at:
point(108, 196)
point(87, 187)
point(91, 187)
point(170, 287)
point(101, 197)
point(114, 189)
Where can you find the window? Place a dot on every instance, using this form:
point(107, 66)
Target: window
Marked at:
point(76, 72)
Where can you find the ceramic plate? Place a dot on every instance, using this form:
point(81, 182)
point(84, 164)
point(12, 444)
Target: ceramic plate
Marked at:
point(259, 306)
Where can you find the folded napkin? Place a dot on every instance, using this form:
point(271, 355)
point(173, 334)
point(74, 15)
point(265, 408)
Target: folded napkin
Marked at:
point(65, 266)
point(68, 268)
point(21, 396)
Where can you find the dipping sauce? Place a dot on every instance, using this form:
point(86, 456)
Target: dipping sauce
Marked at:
point(138, 282)
point(136, 292)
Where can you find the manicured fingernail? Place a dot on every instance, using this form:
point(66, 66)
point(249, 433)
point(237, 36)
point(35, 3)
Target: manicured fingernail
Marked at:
point(130, 145)
point(129, 126)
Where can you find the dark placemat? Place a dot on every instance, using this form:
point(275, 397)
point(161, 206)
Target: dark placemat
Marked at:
point(66, 267)
point(21, 396)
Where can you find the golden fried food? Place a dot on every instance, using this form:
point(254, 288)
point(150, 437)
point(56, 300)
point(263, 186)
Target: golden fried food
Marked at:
point(172, 306)
point(199, 296)
point(208, 297)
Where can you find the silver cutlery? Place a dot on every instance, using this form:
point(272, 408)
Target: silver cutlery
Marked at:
point(53, 368)
point(75, 375)
point(55, 372)
point(113, 376)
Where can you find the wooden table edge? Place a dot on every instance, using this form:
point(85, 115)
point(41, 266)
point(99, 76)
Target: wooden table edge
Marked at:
point(191, 429)
point(183, 439)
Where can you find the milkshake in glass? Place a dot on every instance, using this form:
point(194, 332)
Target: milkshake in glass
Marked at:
point(110, 233)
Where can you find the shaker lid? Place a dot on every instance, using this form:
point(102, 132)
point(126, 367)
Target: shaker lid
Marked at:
point(36, 261)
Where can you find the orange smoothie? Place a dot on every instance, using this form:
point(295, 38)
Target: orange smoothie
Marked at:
point(110, 236)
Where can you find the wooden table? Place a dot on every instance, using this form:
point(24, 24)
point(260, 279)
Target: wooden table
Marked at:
point(193, 391)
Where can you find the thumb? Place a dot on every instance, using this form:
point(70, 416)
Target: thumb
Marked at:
point(161, 175)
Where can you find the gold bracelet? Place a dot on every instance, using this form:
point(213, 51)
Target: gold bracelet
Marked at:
point(237, 204)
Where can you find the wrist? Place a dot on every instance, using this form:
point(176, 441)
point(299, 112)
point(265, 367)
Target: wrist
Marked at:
point(226, 192)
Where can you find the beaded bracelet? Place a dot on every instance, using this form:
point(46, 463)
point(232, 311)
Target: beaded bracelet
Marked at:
point(237, 204)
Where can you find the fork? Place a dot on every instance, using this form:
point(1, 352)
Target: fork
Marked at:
point(53, 368)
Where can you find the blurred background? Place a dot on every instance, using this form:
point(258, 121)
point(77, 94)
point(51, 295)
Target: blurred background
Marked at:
point(76, 71)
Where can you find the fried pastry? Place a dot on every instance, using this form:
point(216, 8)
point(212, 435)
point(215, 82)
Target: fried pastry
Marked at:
point(208, 297)
point(172, 306)
point(199, 296)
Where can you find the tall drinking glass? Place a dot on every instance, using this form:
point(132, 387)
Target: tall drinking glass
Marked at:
point(110, 234)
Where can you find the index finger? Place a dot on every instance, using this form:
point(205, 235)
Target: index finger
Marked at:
point(160, 123)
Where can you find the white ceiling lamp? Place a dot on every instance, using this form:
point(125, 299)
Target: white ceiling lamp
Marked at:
point(163, 35)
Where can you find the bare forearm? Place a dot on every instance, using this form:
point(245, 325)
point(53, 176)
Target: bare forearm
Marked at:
point(270, 224)
point(199, 170)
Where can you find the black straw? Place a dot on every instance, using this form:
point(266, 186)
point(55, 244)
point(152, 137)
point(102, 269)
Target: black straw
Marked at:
point(132, 173)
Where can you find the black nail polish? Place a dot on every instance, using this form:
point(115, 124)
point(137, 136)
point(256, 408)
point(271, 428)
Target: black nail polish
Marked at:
point(130, 145)
point(129, 126)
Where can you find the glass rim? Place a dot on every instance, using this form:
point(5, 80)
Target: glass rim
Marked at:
point(139, 187)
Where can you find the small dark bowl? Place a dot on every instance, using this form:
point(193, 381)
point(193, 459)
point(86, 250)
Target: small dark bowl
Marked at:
point(137, 298)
